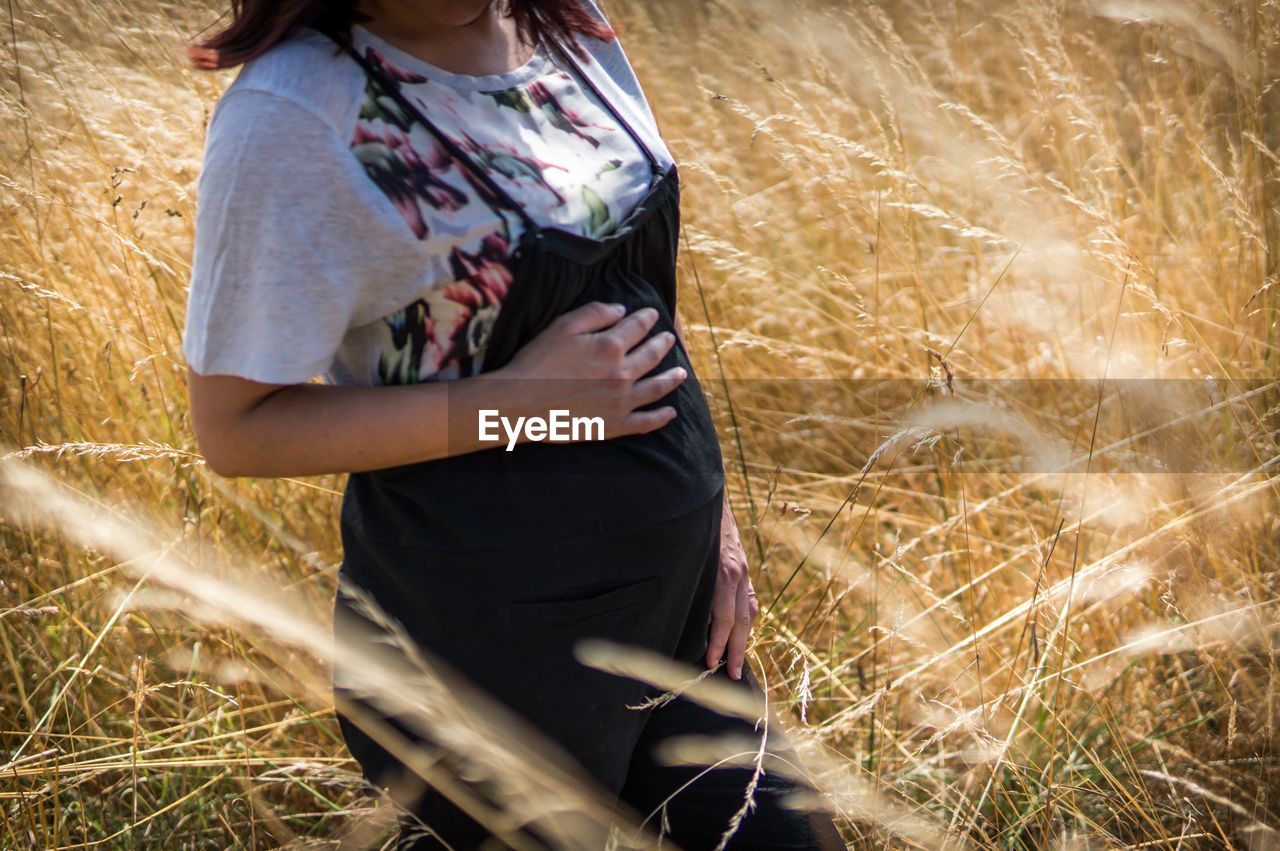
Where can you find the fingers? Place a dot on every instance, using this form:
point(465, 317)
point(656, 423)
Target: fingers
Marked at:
point(733, 614)
point(654, 388)
point(590, 317)
point(641, 422)
point(648, 354)
point(723, 607)
point(621, 344)
point(631, 330)
point(744, 618)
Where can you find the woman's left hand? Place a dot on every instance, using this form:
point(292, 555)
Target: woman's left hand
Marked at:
point(733, 604)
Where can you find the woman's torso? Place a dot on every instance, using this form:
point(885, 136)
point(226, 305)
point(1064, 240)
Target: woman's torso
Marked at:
point(550, 266)
point(417, 266)
point(547, 141)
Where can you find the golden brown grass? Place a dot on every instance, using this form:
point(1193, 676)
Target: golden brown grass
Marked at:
point(892, 195)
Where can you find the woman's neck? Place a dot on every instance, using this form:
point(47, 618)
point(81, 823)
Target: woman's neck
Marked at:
point(462, 36)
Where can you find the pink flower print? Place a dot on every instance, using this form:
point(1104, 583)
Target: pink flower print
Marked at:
point(463, 293)
point(562, 117)
point(443, 101)
point(407, 179)
point(395, 72)
point(512, 164)
point(453, 309)
point(474, 318)
point(488, 270)
point(411, 342)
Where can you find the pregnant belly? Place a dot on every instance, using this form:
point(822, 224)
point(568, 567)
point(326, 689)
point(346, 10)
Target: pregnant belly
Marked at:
point(682, 455)
point(537, 492)
point(619, 482)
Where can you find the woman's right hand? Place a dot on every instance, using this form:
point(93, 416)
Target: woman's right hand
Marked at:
point(591, 362)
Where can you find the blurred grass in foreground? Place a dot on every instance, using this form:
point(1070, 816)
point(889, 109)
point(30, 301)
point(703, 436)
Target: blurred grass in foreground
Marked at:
point(908, 191)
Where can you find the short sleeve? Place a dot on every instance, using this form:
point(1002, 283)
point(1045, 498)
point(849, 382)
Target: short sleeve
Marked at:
point(275, 265)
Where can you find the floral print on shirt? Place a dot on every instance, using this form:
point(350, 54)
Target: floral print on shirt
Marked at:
point(442, 334)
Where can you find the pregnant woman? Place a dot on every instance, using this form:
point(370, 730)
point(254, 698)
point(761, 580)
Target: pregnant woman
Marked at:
point(461, 211)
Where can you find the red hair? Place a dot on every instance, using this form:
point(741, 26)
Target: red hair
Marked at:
point(256, 25)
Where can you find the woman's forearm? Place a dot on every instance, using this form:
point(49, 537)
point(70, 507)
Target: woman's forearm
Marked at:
point(601, 355)
point(315, 429)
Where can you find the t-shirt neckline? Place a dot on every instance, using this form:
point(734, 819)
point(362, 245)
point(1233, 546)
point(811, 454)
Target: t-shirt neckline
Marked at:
point(529, 71)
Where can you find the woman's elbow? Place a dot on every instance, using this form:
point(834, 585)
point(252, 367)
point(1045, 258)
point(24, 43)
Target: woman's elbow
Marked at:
point(219, 405)
point(222, 456)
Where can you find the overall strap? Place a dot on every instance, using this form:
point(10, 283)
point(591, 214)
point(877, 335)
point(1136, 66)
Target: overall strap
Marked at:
point(568, 59)
point(392, 87)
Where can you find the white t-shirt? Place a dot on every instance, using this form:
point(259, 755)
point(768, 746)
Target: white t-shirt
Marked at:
point(335, 235)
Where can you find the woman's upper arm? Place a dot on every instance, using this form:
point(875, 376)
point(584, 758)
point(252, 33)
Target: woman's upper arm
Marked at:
point(272, 289)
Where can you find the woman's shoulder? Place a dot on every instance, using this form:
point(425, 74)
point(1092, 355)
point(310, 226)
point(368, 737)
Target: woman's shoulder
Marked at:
point(612, 59)
point(594, 9)
point(307, 69)
point(610, 51)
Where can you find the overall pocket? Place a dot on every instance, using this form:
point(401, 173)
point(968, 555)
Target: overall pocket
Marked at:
point(586, 605)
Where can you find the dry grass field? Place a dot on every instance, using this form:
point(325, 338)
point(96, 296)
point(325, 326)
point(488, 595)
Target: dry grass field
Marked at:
point(884, 203)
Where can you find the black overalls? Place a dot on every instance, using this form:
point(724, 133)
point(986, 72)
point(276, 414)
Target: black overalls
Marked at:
point(498, 561)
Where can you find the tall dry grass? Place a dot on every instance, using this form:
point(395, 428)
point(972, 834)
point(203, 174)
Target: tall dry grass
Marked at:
point(882, 202)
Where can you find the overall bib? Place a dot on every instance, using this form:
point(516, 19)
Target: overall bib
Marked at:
point(498, 561)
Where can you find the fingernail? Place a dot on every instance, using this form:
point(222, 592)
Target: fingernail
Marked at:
point(617, 308)
point(737, 674)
